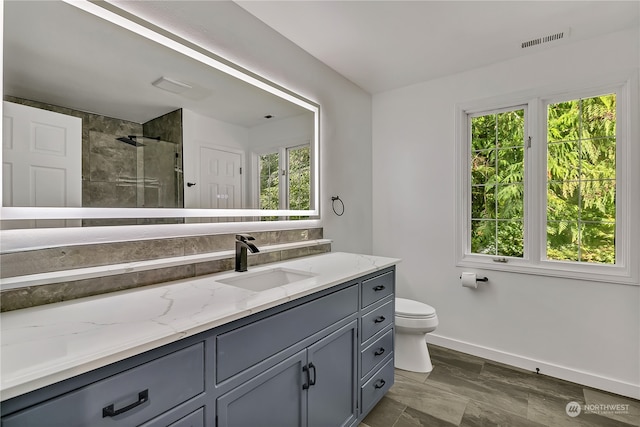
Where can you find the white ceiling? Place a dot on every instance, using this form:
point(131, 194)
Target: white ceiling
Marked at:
point(382, 45)
point(58, 54)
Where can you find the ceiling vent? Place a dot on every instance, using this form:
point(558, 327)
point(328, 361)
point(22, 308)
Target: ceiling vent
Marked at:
point(546, 39)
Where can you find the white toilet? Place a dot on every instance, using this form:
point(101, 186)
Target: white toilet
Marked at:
point(413, 321)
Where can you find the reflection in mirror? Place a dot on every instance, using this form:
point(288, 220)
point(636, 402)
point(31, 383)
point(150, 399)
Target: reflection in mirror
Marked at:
point(98, 116)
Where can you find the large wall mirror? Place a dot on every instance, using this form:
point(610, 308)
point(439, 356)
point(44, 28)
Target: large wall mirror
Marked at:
point(107, 119)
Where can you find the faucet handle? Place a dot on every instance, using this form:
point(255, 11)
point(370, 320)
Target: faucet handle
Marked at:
point(244, 237)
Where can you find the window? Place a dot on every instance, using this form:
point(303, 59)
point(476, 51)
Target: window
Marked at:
point(299, 176)
point(497, 182)
point(269, 166)
point(540, 182)
point(285, 179)
point(581, 180)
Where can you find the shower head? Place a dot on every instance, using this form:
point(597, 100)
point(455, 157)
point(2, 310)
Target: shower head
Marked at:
point(133, 139)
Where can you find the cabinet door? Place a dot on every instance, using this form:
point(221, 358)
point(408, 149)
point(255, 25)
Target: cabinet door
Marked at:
point(273, 398)
point(333, 371)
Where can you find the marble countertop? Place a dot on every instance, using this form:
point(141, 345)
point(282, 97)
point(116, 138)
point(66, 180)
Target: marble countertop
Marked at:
point(47, 344)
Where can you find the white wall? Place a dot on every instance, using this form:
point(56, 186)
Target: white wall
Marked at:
point(587, 332)
point(345, 109)
point(345, 121)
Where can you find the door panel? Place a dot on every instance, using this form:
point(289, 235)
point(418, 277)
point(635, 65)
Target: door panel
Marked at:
point(42, 157)
point(220, 179)
point(41, 161)
point(273, 398)
point(333, 361)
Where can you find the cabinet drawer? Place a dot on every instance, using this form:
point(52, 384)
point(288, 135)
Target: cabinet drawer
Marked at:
point(168, 419)
point(195, 419)
point(376, 320)
point(376, 288)
point(376, 352)
point(373, 390)
point(269, 336)
point(148, 390)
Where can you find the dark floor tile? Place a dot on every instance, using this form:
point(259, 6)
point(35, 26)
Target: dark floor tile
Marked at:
point(627, 409)
point(460, 363)
point(412, 418)
point(552, 412)
point(498, 394)
point(415, 376)
point(385, 413)
point(468, 391)
point(479, 414)
point(428, 399)
point(531, 381)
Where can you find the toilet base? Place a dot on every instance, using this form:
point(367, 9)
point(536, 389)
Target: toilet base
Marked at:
point(411, 353)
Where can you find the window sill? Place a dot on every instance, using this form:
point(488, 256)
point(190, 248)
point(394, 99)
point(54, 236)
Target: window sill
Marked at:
point(592, 273)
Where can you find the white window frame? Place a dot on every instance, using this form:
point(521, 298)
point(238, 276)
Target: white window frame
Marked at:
point(534, 260)
point(283, 166)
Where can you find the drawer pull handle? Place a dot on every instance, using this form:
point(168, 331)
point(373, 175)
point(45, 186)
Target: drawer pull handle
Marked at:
point(380, 384)
point(109, 411)
point(379, 352)
point(379, 319)
point(379, 288)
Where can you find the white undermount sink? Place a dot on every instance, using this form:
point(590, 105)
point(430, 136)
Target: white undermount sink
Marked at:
point(266, 279)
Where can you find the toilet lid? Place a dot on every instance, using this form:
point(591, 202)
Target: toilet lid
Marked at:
point(413, 309)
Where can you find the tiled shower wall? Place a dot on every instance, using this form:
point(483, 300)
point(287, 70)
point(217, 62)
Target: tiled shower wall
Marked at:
point(80, 256)
point(106, 162)
point(163, 183)
point(116, 174)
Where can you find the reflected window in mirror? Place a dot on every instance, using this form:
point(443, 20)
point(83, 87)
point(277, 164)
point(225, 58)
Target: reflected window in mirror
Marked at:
point(285, 179)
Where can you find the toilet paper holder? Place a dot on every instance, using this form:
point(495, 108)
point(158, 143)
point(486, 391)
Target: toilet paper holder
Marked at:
point(480, 279)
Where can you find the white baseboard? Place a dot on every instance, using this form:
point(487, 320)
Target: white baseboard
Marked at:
point(562, 372)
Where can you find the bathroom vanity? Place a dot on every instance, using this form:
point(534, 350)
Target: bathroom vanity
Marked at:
point(307, 342)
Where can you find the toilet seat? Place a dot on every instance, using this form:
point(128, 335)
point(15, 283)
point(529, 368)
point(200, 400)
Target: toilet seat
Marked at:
point(413, 309)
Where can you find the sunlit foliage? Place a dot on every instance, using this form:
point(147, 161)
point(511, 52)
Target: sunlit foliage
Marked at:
point(581, 181)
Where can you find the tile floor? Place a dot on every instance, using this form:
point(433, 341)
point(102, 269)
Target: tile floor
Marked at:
point(468, 391)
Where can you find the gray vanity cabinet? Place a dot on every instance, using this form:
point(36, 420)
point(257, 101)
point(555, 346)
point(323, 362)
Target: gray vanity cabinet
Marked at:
point(323, 360)
point(316, 387)
point(377, 311)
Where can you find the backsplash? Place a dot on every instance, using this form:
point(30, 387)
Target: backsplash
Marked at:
point(95, 255)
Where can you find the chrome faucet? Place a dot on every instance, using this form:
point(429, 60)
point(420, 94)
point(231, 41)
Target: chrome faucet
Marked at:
point(243, 242)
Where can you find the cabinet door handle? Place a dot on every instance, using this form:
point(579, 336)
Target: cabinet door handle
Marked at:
point(109, 411)
point(312, 381)
point(379, 288)
point(379, 352)
point(379, 319)
point(380, 384)
point(305, 369)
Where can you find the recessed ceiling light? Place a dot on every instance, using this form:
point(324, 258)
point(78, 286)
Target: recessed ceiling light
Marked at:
point(171, 85)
